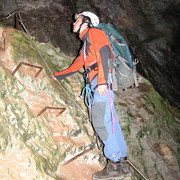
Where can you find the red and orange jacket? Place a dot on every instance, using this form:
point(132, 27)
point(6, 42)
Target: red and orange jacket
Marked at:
point(98, 50)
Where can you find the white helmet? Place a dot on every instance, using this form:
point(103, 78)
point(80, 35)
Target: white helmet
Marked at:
point(93, 17)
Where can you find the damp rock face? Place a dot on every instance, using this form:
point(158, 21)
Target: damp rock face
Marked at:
point(151, 29)
point(44, 125)
point(41, 129)
point(38, 142)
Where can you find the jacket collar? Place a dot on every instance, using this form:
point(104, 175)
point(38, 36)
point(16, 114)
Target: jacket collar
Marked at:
point(82, 34)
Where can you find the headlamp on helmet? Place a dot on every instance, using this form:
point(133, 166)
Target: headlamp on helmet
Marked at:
point(88, 17)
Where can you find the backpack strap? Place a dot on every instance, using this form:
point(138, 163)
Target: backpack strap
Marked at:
point(112, 65)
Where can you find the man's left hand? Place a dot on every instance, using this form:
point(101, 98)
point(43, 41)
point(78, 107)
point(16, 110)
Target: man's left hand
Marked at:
point(52, 75)
point(102, 89)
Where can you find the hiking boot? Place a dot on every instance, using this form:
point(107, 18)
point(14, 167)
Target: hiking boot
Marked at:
point(112, 171)
point(125, 167)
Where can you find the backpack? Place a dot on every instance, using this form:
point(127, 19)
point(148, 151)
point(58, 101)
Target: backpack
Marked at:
point(123, 67)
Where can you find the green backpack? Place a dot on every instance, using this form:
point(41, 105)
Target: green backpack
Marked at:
point(123, 67)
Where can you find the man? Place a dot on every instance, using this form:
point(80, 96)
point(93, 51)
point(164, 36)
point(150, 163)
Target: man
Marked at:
point(94, 57)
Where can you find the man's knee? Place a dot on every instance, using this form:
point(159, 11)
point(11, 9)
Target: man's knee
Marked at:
point(98, 112)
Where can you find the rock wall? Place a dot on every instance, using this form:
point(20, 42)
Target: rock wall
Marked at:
point(43, 147)
point(36, 141)
point(151, 29)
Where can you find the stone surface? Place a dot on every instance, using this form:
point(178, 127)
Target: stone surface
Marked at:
point(151, 29)
point(42, 145)
point(34, 147)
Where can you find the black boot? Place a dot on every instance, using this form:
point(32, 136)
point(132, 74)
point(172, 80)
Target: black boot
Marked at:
point(125, 168)
point(111, 171)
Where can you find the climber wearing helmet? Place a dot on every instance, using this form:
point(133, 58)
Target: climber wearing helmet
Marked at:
point(94, 56)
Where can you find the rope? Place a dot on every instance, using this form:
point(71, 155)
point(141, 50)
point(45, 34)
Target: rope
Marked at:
point(136, 169)
point(88, 95)
point(21, 22)
point(9, 15)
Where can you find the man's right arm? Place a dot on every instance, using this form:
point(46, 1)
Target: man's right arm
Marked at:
point(73, 68)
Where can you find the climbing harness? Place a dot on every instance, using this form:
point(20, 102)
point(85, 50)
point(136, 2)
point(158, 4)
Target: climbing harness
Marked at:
point(87, 92)
point(89, 95)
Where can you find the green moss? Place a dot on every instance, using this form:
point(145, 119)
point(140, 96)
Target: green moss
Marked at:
point(26, 129)
point(51, 61)
point(16, 122)
point(161, 106)
point(24, 48)
point(2, 24)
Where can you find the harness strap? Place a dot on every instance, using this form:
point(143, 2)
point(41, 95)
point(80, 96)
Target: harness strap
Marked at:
point(90, 68)
point(110, 103)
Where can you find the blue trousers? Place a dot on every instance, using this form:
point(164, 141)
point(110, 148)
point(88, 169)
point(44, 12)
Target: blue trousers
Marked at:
point(114, 143)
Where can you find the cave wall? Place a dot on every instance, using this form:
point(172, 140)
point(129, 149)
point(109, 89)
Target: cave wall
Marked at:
point(150, 125)
point(41, 143)
point(151, 29)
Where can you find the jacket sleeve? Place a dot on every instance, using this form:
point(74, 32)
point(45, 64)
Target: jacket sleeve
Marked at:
point(103, 53)
point(73, 68)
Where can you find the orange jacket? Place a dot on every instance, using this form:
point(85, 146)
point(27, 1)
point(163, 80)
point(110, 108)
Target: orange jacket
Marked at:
point(98, 50)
